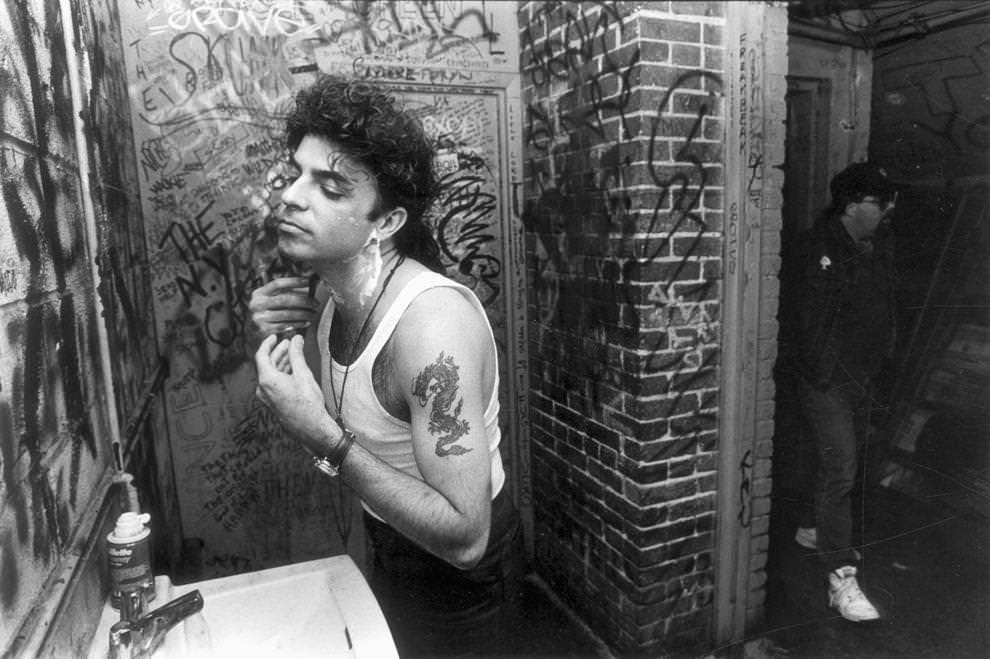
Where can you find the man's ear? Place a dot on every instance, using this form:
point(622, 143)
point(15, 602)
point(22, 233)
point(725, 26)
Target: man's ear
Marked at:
point(850, 208)
point(390, 223)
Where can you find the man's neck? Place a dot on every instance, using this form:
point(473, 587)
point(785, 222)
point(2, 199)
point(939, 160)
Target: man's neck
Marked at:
point(853, 228)
point(356, 284)
point(860, 238)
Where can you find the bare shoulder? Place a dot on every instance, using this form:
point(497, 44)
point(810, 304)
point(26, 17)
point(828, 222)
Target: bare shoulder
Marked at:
point(442, 320)
point(443, 311)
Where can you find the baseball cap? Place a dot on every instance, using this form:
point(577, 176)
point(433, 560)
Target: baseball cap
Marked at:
point(862, 179)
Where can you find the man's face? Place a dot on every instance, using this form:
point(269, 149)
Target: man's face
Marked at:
point(871, 211)
point(329, 206)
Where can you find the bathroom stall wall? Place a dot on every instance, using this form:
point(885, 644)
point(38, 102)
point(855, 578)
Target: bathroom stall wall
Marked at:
point(71, 259)
point(209, 84)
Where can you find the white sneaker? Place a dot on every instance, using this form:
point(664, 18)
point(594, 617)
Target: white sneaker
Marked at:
point(845, 596)
point(807, 537)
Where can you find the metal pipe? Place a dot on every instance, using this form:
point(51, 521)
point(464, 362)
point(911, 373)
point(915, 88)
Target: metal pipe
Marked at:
point(891, 34)
point(152, 387)
point(89, 216)
point(867, 39)
point(826, 33)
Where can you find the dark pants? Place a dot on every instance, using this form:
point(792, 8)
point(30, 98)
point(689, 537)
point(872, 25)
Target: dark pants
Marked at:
point(434, 609)
point(834, 418)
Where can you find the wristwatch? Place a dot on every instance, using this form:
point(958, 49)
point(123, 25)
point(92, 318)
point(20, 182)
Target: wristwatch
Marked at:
point(330, 464)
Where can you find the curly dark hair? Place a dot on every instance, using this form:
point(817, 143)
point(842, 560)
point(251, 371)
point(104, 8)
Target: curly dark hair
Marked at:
point(366, 122)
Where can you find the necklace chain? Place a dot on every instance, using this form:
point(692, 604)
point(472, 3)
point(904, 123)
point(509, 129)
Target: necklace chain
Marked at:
point(339, 402)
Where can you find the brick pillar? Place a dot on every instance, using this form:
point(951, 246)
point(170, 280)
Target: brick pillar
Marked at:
point(623, 148)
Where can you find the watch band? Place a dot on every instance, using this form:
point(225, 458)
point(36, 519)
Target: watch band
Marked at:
point(330, 464)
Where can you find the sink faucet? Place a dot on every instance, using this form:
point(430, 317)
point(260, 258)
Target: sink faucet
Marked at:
point(138, 636)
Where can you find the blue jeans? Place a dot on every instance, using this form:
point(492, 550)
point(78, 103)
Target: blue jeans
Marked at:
point(834, 418)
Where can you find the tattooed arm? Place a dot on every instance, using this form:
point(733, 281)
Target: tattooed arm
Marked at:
point(441, 375)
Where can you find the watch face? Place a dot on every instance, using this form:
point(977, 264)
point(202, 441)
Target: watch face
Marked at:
point(324, 465)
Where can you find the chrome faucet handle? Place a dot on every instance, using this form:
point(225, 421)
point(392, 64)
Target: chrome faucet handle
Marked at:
point(139, 638)
point(133, 604)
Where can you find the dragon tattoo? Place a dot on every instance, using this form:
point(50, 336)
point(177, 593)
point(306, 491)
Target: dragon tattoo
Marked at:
point(438, 382)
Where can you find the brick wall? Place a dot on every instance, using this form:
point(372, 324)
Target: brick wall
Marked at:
point(623, 149)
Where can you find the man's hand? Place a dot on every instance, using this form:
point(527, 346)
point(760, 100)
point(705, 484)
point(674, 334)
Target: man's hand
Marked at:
point(283, 304)
point(287, 387)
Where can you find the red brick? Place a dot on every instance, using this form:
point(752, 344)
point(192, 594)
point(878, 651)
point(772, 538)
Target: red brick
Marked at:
point(670, 30)
point(713, 34)
point(712, 128)
point(713, 60)
point(698, 8)
point(706, 462)
point(760, 505)
point(706, 483)
point(706, 440)
point(663, 76)
point(701, 379)
point(662, 270)
point(690, 426)
point(681, 467)
point(705, 523)
point(643, 472)
point(688, 55)
point(653, 52)
point(659, 407)
point(650, 495)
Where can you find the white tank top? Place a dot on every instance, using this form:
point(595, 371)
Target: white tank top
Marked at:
point(374, 427)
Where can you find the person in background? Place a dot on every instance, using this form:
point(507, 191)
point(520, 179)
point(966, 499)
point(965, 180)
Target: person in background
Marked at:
point(845, 330)
point(391, 379)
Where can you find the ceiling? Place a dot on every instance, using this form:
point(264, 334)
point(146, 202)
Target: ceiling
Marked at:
point(875, 23)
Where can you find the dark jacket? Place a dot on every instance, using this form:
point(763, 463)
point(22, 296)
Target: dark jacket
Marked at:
point(844, 306)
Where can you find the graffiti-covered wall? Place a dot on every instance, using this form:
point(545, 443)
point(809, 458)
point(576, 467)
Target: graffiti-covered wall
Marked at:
point(209, 83)
point(652, 220)
point(70, 259)
point(930, 119)
point(623, 133)
point(121, 259)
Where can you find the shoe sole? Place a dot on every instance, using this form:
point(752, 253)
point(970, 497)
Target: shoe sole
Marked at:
point(835, 608)
point(857, 620)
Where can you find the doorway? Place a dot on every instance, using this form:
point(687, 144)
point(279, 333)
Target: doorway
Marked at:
point(806, 159)
point(805, 195)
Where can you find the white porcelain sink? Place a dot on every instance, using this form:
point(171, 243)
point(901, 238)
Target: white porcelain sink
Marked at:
point(321, 608)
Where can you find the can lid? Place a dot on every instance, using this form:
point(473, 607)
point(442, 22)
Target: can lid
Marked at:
point(130, 524)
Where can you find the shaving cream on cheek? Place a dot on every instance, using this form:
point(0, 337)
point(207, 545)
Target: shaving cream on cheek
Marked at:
point(369, 267)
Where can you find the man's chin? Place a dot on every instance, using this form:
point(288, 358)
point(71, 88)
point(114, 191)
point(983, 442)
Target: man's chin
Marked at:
point(287, 246)
point(289, 253)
